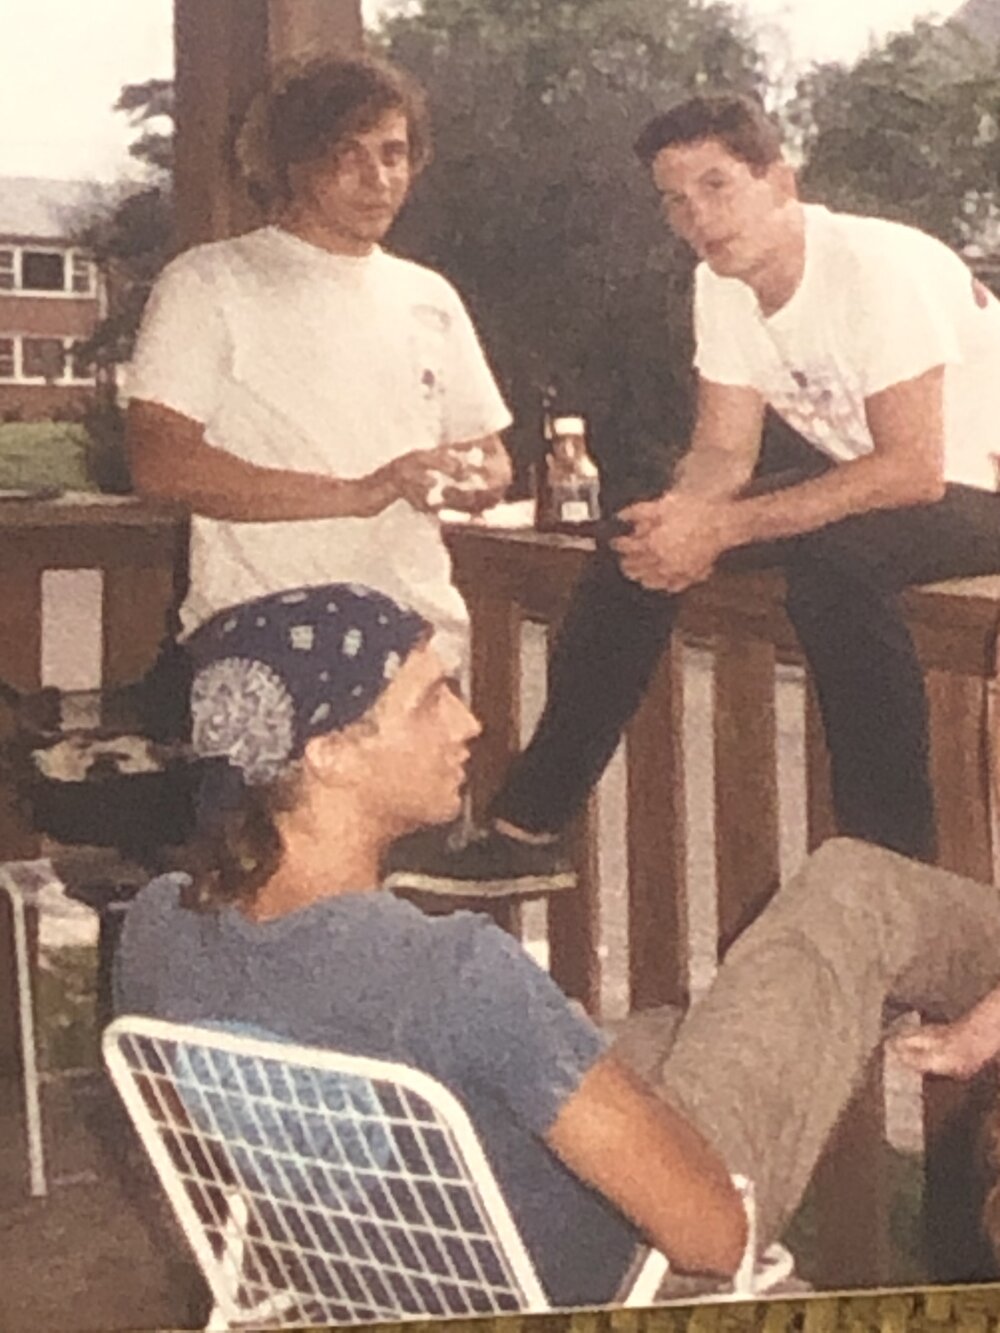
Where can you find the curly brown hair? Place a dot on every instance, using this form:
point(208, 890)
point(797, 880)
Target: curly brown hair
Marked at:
point(313, 105)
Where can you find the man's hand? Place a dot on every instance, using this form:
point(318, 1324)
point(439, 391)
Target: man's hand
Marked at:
point(472, 475)
point(676, 540)
point(951, 1050)
point(485, 478)
point(415, 477)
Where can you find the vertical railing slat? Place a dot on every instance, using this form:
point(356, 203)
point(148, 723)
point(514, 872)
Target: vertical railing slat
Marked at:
point(20, 667)
point(495, 695)
point(850, 1180)
point(960, 769)
point(657, 841)
point(747, 857)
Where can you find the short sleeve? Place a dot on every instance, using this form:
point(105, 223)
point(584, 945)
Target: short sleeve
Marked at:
point(719, 313)
point(519, 1035)
point(182, 351)
point(146, 926)
point(474, 406)
point(907, 303)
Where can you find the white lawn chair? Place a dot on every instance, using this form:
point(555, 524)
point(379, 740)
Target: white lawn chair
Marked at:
point(317, 1187)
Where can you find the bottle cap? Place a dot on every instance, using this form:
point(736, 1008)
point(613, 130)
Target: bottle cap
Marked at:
point(569, 426)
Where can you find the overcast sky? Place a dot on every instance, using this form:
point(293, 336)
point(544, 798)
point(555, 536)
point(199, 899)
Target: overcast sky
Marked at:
point(62, 63)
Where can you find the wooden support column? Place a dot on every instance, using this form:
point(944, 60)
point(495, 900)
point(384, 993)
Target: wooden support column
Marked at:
point(224, 52)
point(310, 27)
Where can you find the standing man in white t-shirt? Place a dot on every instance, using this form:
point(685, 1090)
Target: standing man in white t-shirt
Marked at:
point(876, 344)
point(303, 392)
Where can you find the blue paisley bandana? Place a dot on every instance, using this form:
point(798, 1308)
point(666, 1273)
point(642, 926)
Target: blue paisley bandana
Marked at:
point(272, 673)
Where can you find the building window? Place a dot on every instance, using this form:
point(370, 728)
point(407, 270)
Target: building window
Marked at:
point(43, 359)
point(80, 371)
point(81, 275)
point(28, 360)
point(43, 271)
point(65, 272)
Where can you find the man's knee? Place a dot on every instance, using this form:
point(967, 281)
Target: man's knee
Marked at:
point(846, 867)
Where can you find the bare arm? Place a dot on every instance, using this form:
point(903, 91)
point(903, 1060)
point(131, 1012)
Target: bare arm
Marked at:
point(656, 1168)
point(725, 442)
point(906, 467)
point(171, 460)
point(678, 538)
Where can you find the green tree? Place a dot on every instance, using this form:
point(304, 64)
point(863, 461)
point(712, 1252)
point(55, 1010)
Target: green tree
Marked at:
point(130, 242)
point(908, 132)
point(535, 206)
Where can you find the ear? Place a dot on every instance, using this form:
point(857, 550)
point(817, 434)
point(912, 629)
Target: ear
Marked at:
point(331, 759)
point(783, 177)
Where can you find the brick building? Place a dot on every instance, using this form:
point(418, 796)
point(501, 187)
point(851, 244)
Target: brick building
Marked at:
point(51, 297)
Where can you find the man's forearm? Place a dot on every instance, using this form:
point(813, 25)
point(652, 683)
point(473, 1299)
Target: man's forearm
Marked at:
point(857, 487)
point(239, 492)
point(712, 472)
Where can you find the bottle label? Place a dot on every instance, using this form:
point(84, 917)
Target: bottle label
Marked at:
point(574, 511)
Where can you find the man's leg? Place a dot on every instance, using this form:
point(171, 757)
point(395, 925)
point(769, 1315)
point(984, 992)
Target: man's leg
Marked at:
point(607, 649)
point(844, 585)
point(767, 1061)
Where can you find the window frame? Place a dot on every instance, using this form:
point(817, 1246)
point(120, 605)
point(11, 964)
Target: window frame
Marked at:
point(67, 380)
point(74, 259)
point(15, 358)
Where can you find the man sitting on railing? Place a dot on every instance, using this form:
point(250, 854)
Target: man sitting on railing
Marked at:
point(878, 346)
point(332, 729)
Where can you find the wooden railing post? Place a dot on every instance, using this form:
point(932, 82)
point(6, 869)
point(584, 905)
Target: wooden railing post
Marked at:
point(139, 551)
point(747, 859)
point(656, 831)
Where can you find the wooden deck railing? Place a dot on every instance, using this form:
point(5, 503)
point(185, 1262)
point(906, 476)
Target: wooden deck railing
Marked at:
point(141, 553)
point(509, 577)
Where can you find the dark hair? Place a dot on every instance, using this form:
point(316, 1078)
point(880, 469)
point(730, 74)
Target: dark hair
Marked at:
point(235, 854)
point(739, 122)
point(326, 99)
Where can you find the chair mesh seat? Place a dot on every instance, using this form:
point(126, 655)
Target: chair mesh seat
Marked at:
point(317, 1187)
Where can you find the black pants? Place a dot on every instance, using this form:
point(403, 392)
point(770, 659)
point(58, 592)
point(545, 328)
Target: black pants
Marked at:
point(843, 597)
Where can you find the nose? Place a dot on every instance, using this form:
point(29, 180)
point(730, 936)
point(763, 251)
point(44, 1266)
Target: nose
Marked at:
point(377, 174)
point(467, 725)
point(690, 218)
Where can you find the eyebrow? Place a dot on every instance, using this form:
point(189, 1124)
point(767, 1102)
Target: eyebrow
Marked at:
point(447, 680)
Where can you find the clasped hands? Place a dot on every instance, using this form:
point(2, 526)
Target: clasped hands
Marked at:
point(675, 540)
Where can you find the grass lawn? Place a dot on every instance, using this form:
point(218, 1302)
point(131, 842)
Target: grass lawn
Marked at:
point(34, 454)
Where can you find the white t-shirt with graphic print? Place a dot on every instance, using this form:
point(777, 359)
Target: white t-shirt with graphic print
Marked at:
point(298, 359)
point(879, 303)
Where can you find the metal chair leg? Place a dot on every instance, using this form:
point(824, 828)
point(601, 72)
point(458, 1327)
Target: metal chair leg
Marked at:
point(29, 1057)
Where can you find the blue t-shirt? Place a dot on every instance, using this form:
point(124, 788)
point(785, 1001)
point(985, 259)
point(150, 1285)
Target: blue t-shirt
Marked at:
point(454, 996)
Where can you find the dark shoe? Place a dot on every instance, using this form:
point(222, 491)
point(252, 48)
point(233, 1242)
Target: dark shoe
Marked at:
point(487, 864)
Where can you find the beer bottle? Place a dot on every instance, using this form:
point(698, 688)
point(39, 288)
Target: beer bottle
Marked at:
point(572, 486)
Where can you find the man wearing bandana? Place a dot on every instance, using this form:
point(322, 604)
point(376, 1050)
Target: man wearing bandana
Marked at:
point(329, 728)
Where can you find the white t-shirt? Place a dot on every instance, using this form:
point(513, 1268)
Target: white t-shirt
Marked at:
point(297, 359)
point(879, 303)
